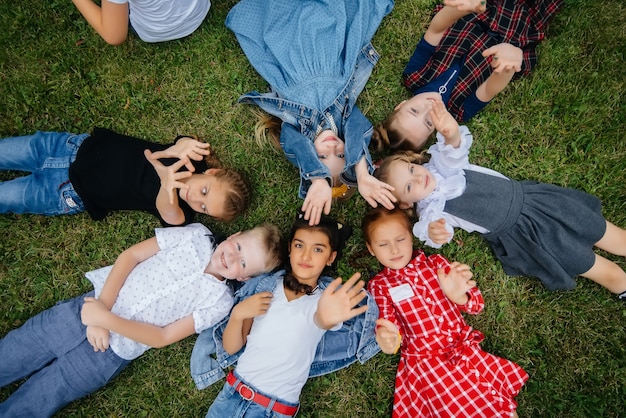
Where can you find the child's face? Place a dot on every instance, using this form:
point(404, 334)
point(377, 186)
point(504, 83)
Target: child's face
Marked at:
point(309, 254)
point(240, 256)
point(391, 243)
point(206, 194)
point(413, 118)
point(330, 150)
point(413, 182)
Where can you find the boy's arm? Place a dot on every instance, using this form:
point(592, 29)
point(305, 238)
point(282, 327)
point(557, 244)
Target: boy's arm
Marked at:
point(453, 11)
point(238, 327)
point(110, 20)
point(506, 60)
point(124, 264)
point(94, 313)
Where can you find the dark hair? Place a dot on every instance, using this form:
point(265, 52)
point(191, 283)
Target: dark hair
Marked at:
point(337, 234)
point(379, 214)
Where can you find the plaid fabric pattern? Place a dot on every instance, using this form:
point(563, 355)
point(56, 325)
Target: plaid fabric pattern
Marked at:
point(519, 22)
point(443, 372)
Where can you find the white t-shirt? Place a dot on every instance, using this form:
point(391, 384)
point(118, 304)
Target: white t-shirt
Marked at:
point(169, 286)
point(163, 20)
point(281, 346)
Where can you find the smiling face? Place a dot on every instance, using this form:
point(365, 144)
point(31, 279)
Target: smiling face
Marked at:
point(391, 242)
point(240, 256)
point(309, 254)
point(330, 151)
point(413, 118)
point(206, 194)
point(413, 182)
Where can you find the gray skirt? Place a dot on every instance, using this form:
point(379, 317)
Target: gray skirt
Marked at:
point(551, 236)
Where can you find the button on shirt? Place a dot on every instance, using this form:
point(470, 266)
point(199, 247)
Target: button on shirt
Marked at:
point(169, 286)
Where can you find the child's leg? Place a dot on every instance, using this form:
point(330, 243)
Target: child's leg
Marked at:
point(607, 274)
point(73, 376)
point(614, 240)
point(47, 191)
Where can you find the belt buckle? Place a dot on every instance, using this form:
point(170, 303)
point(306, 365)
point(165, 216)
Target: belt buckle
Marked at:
point(243, 387)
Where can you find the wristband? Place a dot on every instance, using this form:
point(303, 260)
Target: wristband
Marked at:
point(395, 351)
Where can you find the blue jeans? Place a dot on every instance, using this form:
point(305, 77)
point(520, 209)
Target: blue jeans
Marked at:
point(47, 190)
point(53, 350)
point(229, 403)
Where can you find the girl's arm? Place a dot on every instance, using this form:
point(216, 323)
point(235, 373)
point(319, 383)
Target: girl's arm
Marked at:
point(506, 60)
point(318, 199)
point(453, 11)
point(124, 264)
point(110, 20)
point(94, 313)
point(388, 336)
point(241, 318)
point(373, 190)
point(167, 200)
point(185, 148)
point(445, 124)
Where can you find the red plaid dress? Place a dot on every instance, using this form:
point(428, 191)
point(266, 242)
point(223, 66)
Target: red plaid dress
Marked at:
point(443, 372)
point(519, 22)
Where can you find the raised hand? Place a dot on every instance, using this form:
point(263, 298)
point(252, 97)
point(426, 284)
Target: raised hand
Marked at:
point(169, 175)
point(444, 122)
point(185, 148)
point(318, 199)
point(505, 58)
point(375, 191)
point(455, 281)
point(337, 303)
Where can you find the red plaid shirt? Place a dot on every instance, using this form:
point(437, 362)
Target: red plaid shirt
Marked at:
point(519, 22)
point(443, 372)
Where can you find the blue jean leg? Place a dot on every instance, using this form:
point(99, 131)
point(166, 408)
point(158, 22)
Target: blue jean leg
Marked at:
point(47, 190)
point(53, 344)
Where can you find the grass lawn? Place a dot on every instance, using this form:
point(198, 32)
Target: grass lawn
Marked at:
point(564, 125)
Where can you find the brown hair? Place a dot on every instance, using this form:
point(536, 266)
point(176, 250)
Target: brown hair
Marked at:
point(273, 244)
point(238, 193)
point(380, 214)
point(383, 172)
point(388, 135)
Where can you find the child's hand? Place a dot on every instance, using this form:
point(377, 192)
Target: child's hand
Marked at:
point(317, 200)
point(92, 312)
point(98, 338)
point(504, 57)
point(169, 176)
point(185, 148)
point(455, 281)
point(255, 305)
point(375, 191)
point(477, 6)
point(387, 336)
point(445, 123)
point(337, 303)
point(437, 231)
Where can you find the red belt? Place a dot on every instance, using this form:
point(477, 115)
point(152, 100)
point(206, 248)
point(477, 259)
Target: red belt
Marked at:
point(250, 394)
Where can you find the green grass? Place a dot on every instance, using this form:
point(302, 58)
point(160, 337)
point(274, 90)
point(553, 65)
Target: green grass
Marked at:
point(564, 124)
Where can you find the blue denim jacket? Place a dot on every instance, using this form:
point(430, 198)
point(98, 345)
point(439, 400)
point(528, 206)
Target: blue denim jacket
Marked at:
point(300, 124)
point(355, 340)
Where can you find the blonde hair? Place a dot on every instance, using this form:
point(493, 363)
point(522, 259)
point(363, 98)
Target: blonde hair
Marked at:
point(273, 244)
point(267, 128)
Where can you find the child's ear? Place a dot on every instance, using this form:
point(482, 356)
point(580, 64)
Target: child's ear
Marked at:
point(369, 248)
point(212, 171)
point(331, 259)
point(399, 105)
point(404, 205)
point(234, 235)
